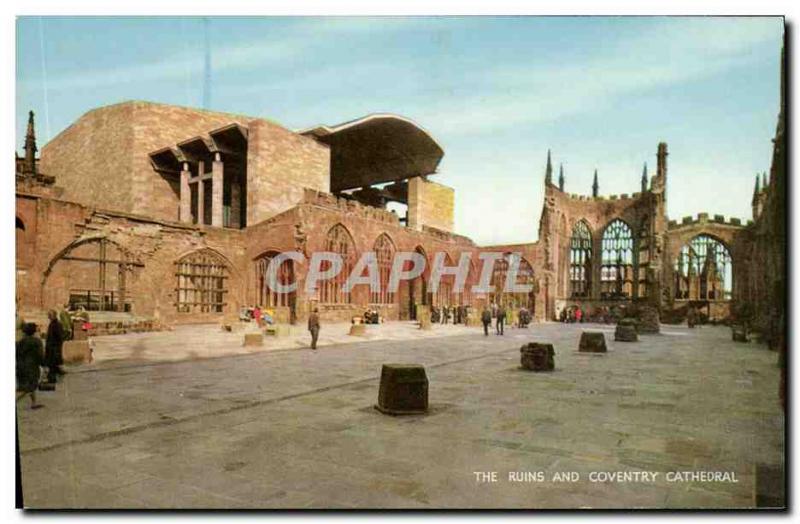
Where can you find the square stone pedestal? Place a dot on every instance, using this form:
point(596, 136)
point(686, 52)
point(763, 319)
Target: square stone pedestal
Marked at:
point(592, 342)
point(403, 390)
point(537, 357)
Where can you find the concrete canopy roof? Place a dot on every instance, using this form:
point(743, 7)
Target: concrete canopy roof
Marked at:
point(376, 149)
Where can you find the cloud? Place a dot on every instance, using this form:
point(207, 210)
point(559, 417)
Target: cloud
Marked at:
point(283, 46)
point(670, 53)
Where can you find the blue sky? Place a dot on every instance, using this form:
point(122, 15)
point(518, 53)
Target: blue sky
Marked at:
point(496, 93)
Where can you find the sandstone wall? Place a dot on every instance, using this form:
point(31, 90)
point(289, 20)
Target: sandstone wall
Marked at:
point(430, 204)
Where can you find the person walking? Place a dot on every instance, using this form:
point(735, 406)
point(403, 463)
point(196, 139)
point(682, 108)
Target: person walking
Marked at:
point(53, 347)
point(313, 327)
point(257, 316)
point(30, 358)
point(501, 319)
point(578, 315)
point(486, 319)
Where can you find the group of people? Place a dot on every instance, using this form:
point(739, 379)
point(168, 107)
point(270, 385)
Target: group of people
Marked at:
point(261, 316)
point(571, 315)
point(495, 311)
point(371, 316)
point(445, 314)
point(32, 355)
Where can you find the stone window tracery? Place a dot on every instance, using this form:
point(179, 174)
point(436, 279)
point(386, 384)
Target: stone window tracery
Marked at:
point(384, 252)
point(616, 261)
point(580, 260)
point(331, 291)
point(703, 270)
point(201, 283)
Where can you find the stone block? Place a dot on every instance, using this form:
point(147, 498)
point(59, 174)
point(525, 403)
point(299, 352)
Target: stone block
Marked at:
point(77, 352)
point(739, 333)
point(625, 333)
point(253, 339)
point(537, 357)
point(592, 342)
point(403, 390)
point(358, 330)
point(277, 330)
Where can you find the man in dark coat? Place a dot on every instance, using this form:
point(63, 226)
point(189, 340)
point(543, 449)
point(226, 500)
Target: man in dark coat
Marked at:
point(30, 358)
point(52, 347)
point(486, 319)
point(313, 327)
point(501, 319)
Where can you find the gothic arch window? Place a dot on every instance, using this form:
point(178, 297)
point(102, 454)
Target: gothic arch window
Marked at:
point(704, 270)
point(96, 274)
point(580, 260)
point(643, 262)
point(444, 293)
point(525, 276)
point(384, 251)
point(202, 278)
point(616, 261)
point(338, 241)
point(265, 295)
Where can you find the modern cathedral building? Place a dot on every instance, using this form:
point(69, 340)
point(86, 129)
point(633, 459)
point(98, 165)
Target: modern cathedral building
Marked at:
point(173, 214)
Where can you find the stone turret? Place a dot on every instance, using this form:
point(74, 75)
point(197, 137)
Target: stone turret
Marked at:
point(644, 178)
point(595, 185)
point(29, 165)
point(561, 177)
point(548, 172)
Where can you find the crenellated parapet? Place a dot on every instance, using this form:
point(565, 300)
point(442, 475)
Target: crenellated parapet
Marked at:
point(703, 218)
point(318, 198)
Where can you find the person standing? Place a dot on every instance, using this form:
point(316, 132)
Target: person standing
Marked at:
point(53, 347)
point(578, 315)
point(486, 319)
point(501, 319)
point(30, 358)
point(257, 316)
point(313, 327)
point(66, 322)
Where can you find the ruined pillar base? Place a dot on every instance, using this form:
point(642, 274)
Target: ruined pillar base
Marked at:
point(739, 334)
point(358, 330)
point(403, 390)
point(537, 357)
point(592, 342)
point(76, 352)
point(253, 339)
point(626, 331)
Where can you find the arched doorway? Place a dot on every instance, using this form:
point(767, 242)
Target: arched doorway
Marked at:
point(96, 274)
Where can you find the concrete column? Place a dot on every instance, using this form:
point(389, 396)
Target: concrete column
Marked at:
point(185, 209)
point(216, 190)
point(201, 200)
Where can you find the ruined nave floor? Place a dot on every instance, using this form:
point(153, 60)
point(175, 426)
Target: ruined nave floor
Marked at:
point(296, 428)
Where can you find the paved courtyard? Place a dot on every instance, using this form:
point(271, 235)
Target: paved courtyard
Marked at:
point(293, 428)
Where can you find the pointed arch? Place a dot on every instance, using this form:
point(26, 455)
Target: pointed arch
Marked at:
point(265, 295)
point(338, 240)
point(616, 260)
point(704, 269)
point(97, 273)
point(580, 260)
point(202, 279)
point(385, 250)
point(525, 276)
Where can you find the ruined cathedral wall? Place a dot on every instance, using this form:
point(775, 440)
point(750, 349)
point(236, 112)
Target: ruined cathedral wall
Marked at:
point(316, 216)
point(65, 228)
point(564, 210)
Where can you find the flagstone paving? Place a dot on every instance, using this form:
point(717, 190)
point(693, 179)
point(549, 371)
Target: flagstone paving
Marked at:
point(296, 428)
